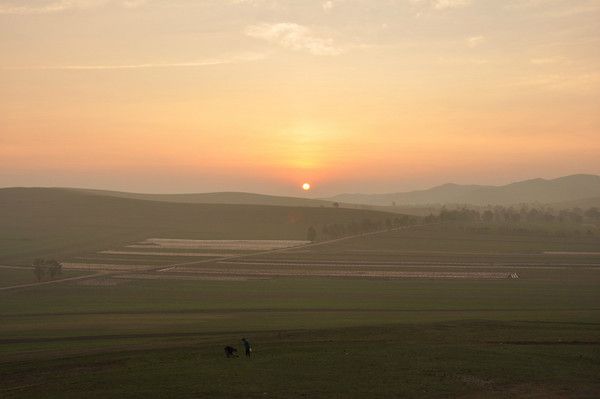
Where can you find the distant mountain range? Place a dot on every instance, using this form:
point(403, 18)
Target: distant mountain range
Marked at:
point(569, 191)
point(575, 190)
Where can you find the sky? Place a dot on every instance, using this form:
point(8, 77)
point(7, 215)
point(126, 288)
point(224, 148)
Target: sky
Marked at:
point(264, 95)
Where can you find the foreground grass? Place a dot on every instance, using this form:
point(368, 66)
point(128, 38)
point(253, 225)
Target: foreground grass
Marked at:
point(560, 292)
point(317, 338)
point(452, 359)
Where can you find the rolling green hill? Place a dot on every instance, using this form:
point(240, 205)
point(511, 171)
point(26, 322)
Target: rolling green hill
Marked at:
point(239, 198)
point(60, 222)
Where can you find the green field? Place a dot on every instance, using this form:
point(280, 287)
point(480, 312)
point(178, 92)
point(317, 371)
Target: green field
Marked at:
point(425, 311)
point(317, 337)
point(443, 359)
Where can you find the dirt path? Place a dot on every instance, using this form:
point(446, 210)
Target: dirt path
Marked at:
point(86, 276)
point(16, 267)
point(164, 268)
point(272, 251)
point(227, 311)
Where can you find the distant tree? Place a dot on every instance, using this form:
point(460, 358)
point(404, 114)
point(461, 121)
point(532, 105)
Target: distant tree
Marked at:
point(488, 216)
point(367, 225)
point(353, 227)
point(54, 268)
point(593, 213)
point(548, 216)
point(46, 267)
point(388, 224)
point(39, 272)
point(38, 269)
point(533, 215)
point(311, 234)
point(334, 231)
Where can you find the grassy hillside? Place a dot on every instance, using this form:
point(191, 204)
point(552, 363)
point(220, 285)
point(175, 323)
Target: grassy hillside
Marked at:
point(239, 198)
point(59, 222)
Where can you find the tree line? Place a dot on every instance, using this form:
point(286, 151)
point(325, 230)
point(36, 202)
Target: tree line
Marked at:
point(339, 230)
point(507, 218)
point(501, 214)
point(524, 220)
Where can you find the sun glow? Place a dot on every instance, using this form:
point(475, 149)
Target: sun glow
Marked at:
point(306, 186)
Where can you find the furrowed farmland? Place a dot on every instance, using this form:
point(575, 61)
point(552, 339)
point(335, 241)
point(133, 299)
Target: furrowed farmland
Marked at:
point(418, 309)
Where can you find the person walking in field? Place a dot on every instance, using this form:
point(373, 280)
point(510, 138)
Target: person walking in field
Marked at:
point(247, 347)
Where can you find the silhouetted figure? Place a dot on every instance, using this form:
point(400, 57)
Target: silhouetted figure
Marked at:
point(230, 351)
point(311, 234)
point(247, 347)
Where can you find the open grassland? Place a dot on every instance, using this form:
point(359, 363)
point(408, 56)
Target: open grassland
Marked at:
point(437, 360)
point(372, 299)
point(394, 325)
point(313, 337)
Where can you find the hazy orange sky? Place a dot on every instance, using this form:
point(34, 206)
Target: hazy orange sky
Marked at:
point(263, 95)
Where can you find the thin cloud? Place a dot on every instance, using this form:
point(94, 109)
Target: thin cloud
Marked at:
point(583, 82)
point(546, 60)
point(443, 4)
point(191, 64)
point(555, 8)
point(331, 4)
point(295, 37)
point(475, 41)
point(55, 6)
point(328, 5)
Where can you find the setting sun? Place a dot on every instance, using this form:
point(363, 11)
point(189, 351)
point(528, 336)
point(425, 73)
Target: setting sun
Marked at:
point(306, 186)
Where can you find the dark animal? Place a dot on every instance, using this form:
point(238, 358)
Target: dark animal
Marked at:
point(230, 351)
